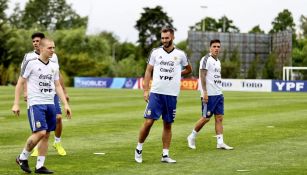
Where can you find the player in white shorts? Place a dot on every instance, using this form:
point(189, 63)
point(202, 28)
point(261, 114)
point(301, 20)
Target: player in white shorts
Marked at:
point(42, 78)
point(36, 37)
point(166, 63)
point(212, 98)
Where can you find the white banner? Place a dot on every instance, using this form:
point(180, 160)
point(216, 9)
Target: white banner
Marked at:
point(247, 85)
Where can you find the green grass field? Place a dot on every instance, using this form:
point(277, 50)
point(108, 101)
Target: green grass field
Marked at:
point(268, 131)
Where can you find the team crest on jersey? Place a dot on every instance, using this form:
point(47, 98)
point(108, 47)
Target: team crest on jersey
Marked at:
point(208, 113)
point(39, 69)
point(38, 124)
point(148, 112)
point(160, 57)
point(175, 58)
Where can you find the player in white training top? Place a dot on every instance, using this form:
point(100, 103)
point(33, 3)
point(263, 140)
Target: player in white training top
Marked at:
point(36, 37)
point(167, 64)
point(42, 77)
point(211, 95)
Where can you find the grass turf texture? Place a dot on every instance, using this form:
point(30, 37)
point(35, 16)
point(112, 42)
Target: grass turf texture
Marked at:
point(268, 131)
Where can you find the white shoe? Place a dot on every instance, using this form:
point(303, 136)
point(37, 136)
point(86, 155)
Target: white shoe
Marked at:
point(223, 146)
point(138, 156)
point(191, 142)
point(167, 159)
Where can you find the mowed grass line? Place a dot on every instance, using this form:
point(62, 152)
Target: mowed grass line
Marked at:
point(268, 131)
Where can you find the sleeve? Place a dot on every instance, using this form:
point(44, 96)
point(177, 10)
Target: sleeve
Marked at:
point(56, 60)
point(203, 63)
point(56, 73)
point(184, 60)
point(24, 60)
point(151, 58)
point(26, 69)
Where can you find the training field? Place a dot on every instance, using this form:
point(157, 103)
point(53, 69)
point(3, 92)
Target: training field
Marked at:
point(268, 131)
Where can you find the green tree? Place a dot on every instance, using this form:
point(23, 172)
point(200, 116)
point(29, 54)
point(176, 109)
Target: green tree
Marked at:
point(283, 21)
point(211, 25)
point(15, 19)
point(51, 15)
point(252, 70)
point(303, 26)
point(207, 24)
point(256, 29)
point(226, 25)
point(149, 26)
point(269, 70)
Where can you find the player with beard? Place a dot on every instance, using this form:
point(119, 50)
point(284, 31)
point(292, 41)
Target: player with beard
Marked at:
point(164, 67)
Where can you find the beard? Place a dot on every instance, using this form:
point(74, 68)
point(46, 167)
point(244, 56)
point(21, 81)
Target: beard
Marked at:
point(168, 44)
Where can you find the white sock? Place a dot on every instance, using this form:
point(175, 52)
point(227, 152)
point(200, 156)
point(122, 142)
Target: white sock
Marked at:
point(219, 139)
point(165, 152)
point(24, 155)
point(40, 161)
point(140, 146)
point(57, 139)
point(194, 133)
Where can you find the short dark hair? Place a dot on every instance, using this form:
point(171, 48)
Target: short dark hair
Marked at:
point(167, 29)
point(215, 41)
point(38, 34)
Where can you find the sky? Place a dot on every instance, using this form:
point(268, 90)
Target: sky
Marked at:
point(120, 16)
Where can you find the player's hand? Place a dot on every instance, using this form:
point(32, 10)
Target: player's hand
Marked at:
point(16, 110)
point(67, 97)
point(205, 97)
point(68, 112)
point(25, 97)
point(146, 95)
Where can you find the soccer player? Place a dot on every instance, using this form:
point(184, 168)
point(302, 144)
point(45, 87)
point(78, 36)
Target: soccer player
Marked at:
point(42, 76)
point(212, 99)
point(36, 38)
point(166, 63)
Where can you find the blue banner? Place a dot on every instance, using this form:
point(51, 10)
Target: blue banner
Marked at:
point(97, 82)
point(289, 86)
point(92, 82)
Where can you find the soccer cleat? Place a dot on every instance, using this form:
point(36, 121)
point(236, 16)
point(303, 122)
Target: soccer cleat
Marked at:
point(43, 170)
point(59, 148)
point(191, 142)
point(223, 146)
point(167, 159)
point(35, 152)
point(138, 156)
point(23, 165)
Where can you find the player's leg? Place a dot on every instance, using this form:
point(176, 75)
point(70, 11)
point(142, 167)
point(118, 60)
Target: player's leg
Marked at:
point(205, 118)
point(168, 115)
point(36, 116)
point(43, 145)
point(219, 112)
point(59, 127)
point(32, 141)
point(152, 113)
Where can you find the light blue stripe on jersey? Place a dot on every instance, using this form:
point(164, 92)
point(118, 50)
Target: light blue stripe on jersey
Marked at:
point(118, 83)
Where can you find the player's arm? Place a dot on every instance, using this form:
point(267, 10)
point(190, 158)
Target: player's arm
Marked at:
point(63, 87)
point(203, 74)
point(147, 79)
point(187, 70)
point(25, 91)
point(60, 93)
point(20, 83)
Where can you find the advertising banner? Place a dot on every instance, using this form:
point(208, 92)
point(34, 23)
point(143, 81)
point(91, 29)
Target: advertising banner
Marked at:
point(289, 86)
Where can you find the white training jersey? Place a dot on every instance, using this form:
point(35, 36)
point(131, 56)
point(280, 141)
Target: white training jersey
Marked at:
point(167, 67)
point(34, 54)
point(213, 78)
point(40, 81)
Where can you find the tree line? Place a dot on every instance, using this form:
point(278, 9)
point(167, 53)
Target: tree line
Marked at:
point(103, 54)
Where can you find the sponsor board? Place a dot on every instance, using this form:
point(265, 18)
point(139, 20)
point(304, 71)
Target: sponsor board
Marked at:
point(289, 86)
